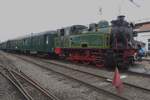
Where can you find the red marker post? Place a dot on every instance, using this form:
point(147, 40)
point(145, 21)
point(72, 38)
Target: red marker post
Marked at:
point(117, 81)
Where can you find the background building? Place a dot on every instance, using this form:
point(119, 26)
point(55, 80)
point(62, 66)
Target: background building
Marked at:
point(143, 35)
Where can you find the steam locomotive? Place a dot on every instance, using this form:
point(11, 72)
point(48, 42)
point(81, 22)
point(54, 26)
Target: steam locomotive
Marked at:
point(100, 43)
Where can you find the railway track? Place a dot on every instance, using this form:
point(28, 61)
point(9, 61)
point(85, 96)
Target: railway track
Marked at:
point(90, 73)
point(145, 74)
point(138, 74)
point(79, 75)
point(12, 80)
point(30, 89)
point(128, 72)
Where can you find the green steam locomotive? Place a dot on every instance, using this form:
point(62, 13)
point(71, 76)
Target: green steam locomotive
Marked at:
point(100, 43)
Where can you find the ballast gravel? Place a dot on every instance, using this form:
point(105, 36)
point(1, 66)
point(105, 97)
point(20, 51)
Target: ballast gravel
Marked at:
point(64, 88)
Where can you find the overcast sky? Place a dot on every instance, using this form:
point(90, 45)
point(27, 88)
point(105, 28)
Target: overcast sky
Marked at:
point(19, 17)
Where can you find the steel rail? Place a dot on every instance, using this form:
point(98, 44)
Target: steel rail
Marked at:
point(16, 85)
point(17, 81)
point(37, 85)
point(96, 75)
point(76, 79)
point(104, 76)
point(33, 83)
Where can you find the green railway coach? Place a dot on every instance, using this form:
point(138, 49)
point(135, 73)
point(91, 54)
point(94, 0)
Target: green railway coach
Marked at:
point(35, 43)
point(42, 43)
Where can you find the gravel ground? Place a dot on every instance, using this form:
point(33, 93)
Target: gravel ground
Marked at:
point(132, 79)
point(142, 67)
point(129, 92)
point(64, 88)
point(70, 90)
point(8, 91)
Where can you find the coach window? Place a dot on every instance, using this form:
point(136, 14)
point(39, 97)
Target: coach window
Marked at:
point(46, 39)
point(62, 32)
point(24, 42)
point(67, 31)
